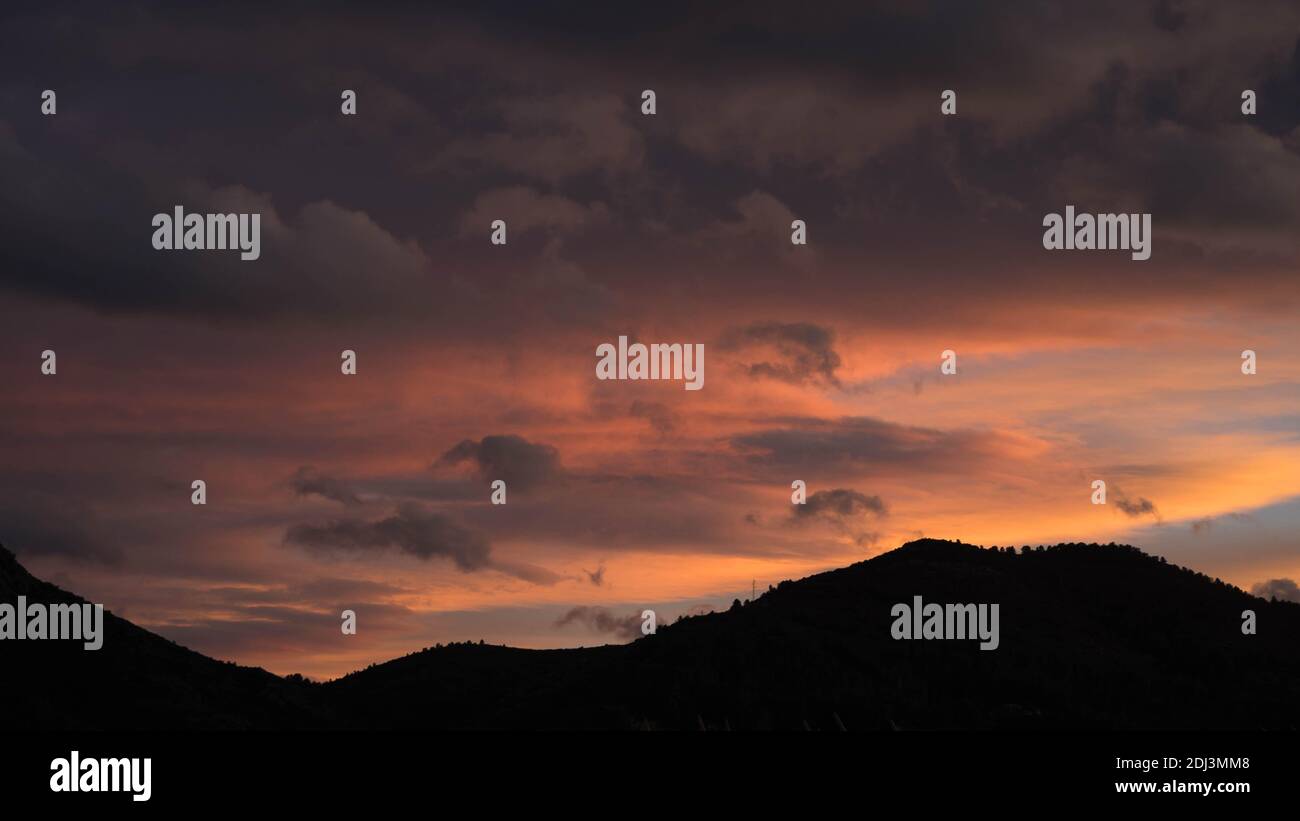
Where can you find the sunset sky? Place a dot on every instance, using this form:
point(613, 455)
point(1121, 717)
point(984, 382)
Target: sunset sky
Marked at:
point(476, 362)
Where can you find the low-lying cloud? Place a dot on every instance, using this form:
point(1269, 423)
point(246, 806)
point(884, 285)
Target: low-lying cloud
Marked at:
point(601, 620)
point(1280, 589)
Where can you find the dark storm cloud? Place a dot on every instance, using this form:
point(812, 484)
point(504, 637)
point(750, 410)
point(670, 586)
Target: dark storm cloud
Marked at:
point(310, 264)
point(1280, 589)
point(524, 209)
point(1282, 82)
point(806, 351)
point(1241, 193)
point(1168, 15)
point(832, 111)
point(601, 620)
point(552, 138)
point(308, 480)
point(411, 530)
point(521, 464)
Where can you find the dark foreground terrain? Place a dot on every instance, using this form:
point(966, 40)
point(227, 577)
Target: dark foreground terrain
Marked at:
point(1095, 637)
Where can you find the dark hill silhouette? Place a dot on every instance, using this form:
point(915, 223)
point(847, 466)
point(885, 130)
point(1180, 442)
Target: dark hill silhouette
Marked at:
point(137, 680)
point(1091, 637)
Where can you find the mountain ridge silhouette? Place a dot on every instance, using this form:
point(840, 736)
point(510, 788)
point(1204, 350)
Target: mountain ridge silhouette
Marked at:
point(1092, 637)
